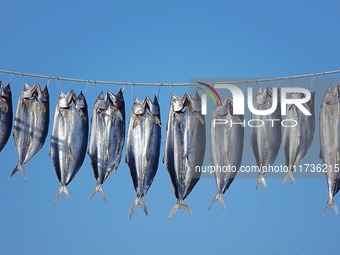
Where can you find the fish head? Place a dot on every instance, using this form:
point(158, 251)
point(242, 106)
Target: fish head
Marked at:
point(43, 94)
point(65, 101)
point(177, 103)
point(115, 100)
point(260, 98)
point(330, 97)
point(138, 107)
point(229, 104)
point(101, 103)
point(221, 110)
point(62, 101)
point(5, 92)
point(193, 104)
point(27, 91)
point(80, 101)
point(155, 106)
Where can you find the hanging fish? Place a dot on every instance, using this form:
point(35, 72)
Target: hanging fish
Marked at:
point(143, 146)
point(30, 124)
point(6, 114)
point(266, 139)
point(107, 137)
point(330, 142)
point(69, 138)
point(226, 146)
point(297, 140)
point(184, 146)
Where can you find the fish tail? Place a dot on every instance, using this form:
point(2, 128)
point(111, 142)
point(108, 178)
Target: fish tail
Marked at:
point(138, 201)
point(19, 167)
point(290, 176)
point(218, 197)
point(262, 181)
point(179, 204)
point(329, 203)
point(61, 190)
point(98, 188)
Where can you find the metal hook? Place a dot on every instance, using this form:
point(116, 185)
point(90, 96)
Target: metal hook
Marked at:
point(133, 91)
point(95, 87)
point(87, 83)
point(123, 89)
point(48, 81)
point(324, 80)
point(257, 85)
point(172, 88)
point(10, 78)
point(311, 82)
point(22, 77)
point(58, 83)
point(159, 89)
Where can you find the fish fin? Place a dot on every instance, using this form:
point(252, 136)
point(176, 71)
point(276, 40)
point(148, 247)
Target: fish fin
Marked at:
point(19, 167)
point(218, 197)
point(261, 180)
point(138, 201)
point(61, 190)
point(179, 204)
point(329, 203)
point(290, 176)
point(98, 188)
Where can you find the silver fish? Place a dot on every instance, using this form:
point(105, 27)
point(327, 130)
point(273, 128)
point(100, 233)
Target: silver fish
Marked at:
point(30, 124)
point(184, 146)
point(226, 146)
point(330, 142)
point(143, 146)
point(266, 139)
point(69, 138)
point(6, 114)
point(297, 140)
point(107, 137)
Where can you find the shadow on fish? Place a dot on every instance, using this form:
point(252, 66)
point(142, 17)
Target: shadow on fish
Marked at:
point(30, 124)
point(69, 138)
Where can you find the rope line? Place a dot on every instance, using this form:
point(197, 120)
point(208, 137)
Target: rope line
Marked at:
point(165, 84)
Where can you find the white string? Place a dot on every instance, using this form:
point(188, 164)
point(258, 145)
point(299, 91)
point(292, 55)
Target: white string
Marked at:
point(59, 88)
point(311, 83)
point(23, 79)
point(166, 84)
point(10, 78)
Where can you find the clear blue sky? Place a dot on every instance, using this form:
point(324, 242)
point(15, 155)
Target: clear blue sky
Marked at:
point(163, 41)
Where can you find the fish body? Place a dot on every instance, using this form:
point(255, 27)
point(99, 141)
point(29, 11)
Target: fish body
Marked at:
point(330, 142)
point(184, 146)
point(266, 139)
point(6, 114)
point(30, 124)
point(107, 137)
point(143, 147)
point(297, 140)
point(226, 146)
point(69, 138)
